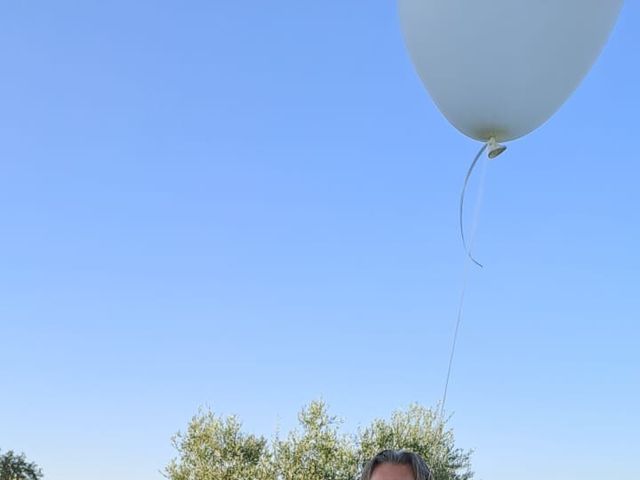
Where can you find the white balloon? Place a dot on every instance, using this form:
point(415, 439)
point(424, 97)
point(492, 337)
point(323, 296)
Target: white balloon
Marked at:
point(501, 68)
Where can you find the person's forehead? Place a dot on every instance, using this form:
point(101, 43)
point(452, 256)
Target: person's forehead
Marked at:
point(388, 471)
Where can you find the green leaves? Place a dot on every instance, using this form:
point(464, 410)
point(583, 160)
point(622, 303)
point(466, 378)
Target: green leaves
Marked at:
point(423, 431)
point(16, 467)
point(215, 448)
point(319, 451)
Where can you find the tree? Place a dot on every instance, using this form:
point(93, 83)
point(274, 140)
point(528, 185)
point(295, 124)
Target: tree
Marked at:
point(16, 467)
point(423, 431)
point(318, 452)
point(214, 448)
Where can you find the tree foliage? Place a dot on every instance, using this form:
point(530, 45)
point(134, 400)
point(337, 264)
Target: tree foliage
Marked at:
point(215, 448)
point(420, 430)
point(319, 451)
point(16, 467)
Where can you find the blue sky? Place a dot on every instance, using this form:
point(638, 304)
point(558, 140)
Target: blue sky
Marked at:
point(250, 205)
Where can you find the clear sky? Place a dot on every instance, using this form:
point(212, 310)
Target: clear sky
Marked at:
point(251, 205)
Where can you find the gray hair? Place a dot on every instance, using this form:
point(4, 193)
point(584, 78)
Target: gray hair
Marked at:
point(398, 457)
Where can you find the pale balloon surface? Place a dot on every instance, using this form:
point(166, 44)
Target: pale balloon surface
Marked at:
point(501, 68)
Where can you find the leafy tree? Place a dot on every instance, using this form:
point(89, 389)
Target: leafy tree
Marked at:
point(423, 431)
point(318, 452)
point(214, 448)
point(16, 467)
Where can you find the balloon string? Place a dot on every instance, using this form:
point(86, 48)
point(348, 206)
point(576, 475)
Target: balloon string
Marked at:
point(467, 264)
point(462, 196)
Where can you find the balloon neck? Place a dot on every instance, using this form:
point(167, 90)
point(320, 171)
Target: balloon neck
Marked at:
point(494, 149)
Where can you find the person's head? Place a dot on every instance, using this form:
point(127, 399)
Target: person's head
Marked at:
point(396, 465)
